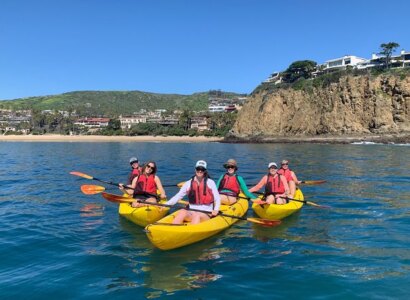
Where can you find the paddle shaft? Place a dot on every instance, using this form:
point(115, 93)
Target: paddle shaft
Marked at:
point(127, 200)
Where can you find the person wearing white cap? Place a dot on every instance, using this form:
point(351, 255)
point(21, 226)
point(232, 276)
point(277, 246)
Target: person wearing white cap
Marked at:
point(276, 186)
point(202, 195)
point(135, 170)
point(230, 184)
point(290, 177)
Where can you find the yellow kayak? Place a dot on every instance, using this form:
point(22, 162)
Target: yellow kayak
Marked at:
point(142, 216)
point(165, 236)
point(279, 211)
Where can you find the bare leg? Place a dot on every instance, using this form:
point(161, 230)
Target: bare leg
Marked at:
point(198, 217)
point(228, 200)
point(280, 200)
point(270, 199)
point(180, 217)
point(139, 204)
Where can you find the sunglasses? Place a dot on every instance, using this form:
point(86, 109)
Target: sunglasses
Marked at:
point(151, 167)
point(273, 168)
point(200, 169)
point(134, 162)
point(229, 167)
point(285, 164)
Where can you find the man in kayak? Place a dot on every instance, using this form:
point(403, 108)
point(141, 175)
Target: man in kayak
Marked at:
point(276, 186)
point(145, 186)
point(231, 184)
point(290, 177)
point(202, 195)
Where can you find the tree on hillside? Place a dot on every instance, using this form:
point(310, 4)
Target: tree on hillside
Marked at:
point(387, 51)
point(299, 69)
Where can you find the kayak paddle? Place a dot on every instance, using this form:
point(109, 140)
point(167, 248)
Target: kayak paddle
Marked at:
point(90, 189)
point(100, 180)
point(120, 199)
point(313, 182)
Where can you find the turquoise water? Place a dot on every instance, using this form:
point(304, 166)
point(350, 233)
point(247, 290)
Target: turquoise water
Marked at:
point(56, 242)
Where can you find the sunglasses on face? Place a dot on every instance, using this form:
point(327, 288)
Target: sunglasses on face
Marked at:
point(230, 167)
point(134, 162)
point(150, 167)
point(200, 169)
point(285, 164)
point(273, 168)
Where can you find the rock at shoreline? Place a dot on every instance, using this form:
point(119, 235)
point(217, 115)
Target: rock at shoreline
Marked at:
point(361, 106)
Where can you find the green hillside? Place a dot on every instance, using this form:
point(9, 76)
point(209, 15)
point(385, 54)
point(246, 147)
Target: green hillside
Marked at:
point(112, 103)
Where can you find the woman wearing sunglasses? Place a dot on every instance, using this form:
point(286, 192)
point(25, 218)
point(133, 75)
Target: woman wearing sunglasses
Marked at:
point(276, 186)
point(231, 184)
point(202, 195)
point(290, 177)
point(145, 185)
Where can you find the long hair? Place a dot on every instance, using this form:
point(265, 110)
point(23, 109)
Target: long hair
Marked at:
point(154, 170)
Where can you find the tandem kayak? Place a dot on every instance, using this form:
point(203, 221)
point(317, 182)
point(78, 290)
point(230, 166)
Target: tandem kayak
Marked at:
point(142, 216)
point(166, 236)
point(279, 211)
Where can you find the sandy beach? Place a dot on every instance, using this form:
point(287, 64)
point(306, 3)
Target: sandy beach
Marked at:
point(101, 138)
point(385, 139)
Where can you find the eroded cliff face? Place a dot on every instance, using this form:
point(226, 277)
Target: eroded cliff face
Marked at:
point(354, 105)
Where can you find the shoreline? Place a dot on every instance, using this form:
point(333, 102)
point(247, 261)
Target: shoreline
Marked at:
point(400, 138)
point(403, 138)
point(103, 138)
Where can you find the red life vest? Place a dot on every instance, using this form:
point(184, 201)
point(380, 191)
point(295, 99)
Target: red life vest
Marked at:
point(134, 173)
point(200, 193)
point(146, 185)
point(287, 173)
point(274, 185)
point(229, 182)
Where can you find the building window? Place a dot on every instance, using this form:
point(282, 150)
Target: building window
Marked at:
point(347, 61)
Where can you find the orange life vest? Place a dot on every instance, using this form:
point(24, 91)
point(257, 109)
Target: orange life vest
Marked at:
point(274, 185)
point(146, 185)
point(287, 173)
point(200, 193)
point(229, 182)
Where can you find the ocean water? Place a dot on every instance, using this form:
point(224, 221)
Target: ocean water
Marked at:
point(56, 242)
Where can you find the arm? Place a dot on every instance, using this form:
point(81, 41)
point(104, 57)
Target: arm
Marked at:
point(217, 198)
point(261, 183)
point(160, 187)
point(244, 188)
point(133, 185)
point(295, 179)
point(182, 192)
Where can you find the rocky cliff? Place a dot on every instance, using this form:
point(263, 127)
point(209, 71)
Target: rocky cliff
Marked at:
point(353, 105)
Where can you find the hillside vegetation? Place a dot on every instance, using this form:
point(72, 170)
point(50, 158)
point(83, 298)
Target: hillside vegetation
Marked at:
point(112, 103)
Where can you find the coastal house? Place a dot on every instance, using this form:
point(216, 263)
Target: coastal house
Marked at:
point(128, 121)
point(200, 123)
point(216, 108)
point(93, 122)
point(342, 63)
point(275, 78)
point(401, 60)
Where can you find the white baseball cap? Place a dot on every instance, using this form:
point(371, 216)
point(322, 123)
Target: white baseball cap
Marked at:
point(200, 163)
point(272, 164)
point(133, 160)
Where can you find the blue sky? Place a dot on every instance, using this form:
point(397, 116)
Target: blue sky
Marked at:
point(181, 46)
